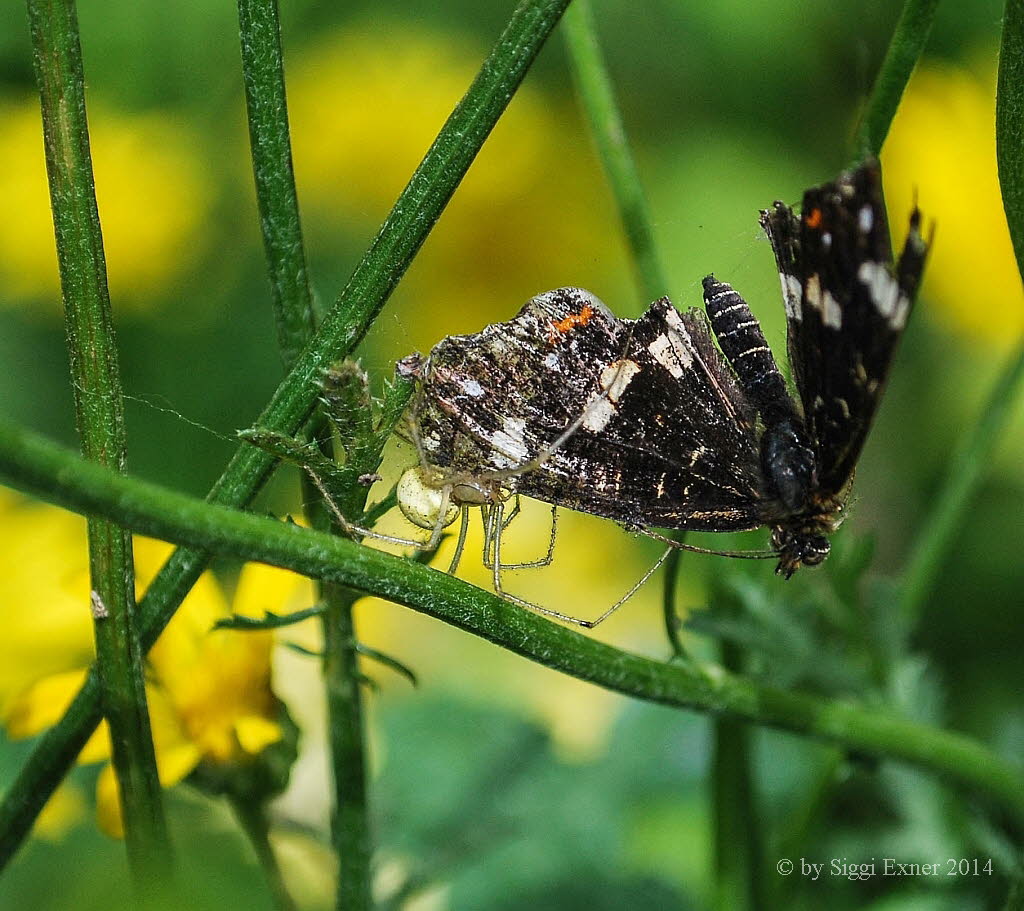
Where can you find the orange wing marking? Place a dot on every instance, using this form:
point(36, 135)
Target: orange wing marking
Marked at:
point(562, 326)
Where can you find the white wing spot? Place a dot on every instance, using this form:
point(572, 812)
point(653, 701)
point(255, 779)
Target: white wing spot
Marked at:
point(866, 219)
point(509, 440)
point(885, 293)
point(791, 291)
point(833, 312)
point(812, 292)
point(617, 376)
point(599, 412)
point(472, 387)
point(670, 350)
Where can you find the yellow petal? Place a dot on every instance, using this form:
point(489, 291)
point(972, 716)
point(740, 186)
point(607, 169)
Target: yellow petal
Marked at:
point(255, 733)
point(266, 588)
point(941, 150)
point(43, 704)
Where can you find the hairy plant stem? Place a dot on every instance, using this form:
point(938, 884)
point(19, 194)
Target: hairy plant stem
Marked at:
point(400, 237)
point(39, 467)
point(280, 226)
point(99, 408)
point(266, 106)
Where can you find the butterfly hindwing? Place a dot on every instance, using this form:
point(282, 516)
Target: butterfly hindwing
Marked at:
point(846, 305)
point(664, 436)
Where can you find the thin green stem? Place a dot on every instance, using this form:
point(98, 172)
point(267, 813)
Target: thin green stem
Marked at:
point(350, 827)
point(966, 470)
point(734, 802)
point(905, 48)
point(800, 825)
point(278, 203)
point(252, 817)
point(270, 145)
point(57, 56)
point(36, 466)
point(399, 239)
point(594, 87)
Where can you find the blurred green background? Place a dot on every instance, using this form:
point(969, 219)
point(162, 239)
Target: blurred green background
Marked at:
point(498, 784)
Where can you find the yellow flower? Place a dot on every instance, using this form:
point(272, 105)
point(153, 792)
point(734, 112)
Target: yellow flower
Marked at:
point(209, 691)
point(152, 193)
point(942, 147)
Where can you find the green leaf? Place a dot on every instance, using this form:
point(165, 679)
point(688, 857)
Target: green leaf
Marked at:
point(269, 620)
point(388, 661)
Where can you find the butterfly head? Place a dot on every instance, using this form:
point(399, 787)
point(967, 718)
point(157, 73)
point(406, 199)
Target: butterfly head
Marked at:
point(800, 546)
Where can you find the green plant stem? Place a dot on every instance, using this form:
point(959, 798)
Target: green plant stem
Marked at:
point(594, 86)
point(966, 470)
point(736, 844)
point(1010, 124)
point(270, 145)
point(905, 48)
point(350, 409)
point(400, 237)
point(801, 824)
point(266, 110)
point(57, 56)
point(252, 817)
point(350, 827)
point(36, 466)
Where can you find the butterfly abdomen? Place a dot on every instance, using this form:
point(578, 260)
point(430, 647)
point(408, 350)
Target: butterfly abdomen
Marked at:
point(786, 456)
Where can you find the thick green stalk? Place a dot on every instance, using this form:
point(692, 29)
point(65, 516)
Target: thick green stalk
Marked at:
point(398, 241)
point(905, 48)
point(57, 56)
point(594, 87)
point(36, 466)
point(736, 821)
point(266, 101)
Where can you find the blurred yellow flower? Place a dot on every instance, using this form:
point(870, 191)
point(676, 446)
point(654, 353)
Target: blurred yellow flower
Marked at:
point(942, 147)
point(152, 193)
point(209, 691)
point(533, 212)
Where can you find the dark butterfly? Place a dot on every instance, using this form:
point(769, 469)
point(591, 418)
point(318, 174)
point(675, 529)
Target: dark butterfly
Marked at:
point(648, 423)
